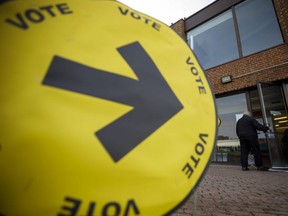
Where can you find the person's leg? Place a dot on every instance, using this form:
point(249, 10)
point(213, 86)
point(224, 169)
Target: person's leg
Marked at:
point(244, 148)
point(257, 153)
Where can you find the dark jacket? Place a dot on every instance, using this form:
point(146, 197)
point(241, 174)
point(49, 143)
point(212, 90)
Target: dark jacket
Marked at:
point(247, 127)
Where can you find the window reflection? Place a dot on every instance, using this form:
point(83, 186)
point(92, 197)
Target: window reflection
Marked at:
point(214, 42)
point(229, 108)
point(258, 26)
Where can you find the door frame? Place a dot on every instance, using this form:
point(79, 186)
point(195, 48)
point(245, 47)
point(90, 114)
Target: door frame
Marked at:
point(283, 164)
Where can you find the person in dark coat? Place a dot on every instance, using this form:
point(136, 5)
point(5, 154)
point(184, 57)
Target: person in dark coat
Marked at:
point(246, 130)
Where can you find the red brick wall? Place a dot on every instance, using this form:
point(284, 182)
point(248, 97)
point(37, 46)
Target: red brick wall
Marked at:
point(282, 14)
point(179, 28)
point(269, 65)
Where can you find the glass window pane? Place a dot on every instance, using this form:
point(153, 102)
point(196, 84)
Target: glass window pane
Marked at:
point(258, 26)
point(229, 109)
point(214, 42)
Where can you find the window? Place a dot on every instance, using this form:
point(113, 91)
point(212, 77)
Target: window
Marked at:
point(214, 42)
point(229, 109)
point(258, 26)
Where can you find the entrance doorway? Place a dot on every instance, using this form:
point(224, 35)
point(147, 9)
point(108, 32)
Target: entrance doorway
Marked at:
point(274, 113)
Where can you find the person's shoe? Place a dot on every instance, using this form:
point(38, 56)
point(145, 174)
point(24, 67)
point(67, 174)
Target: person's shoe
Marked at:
point(262, 168)
point(245, 169)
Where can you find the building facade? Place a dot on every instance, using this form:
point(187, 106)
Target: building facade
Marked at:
point(242, 45)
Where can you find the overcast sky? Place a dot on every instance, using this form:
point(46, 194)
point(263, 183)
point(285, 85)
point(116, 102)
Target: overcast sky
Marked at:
point(167, 11)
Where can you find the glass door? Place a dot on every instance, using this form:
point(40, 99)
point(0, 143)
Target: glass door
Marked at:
point(274, 113)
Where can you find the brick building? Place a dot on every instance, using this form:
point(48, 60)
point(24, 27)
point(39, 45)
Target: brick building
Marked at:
point(243, 47)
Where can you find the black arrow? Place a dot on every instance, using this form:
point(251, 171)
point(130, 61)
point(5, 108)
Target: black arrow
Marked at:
point(153, 100)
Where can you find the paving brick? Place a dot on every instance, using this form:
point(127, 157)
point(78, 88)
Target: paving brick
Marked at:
point(227, 190)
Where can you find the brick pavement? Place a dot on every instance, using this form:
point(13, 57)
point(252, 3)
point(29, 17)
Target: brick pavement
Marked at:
point(227, 190)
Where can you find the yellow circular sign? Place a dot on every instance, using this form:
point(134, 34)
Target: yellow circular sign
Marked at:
point(104, 111)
